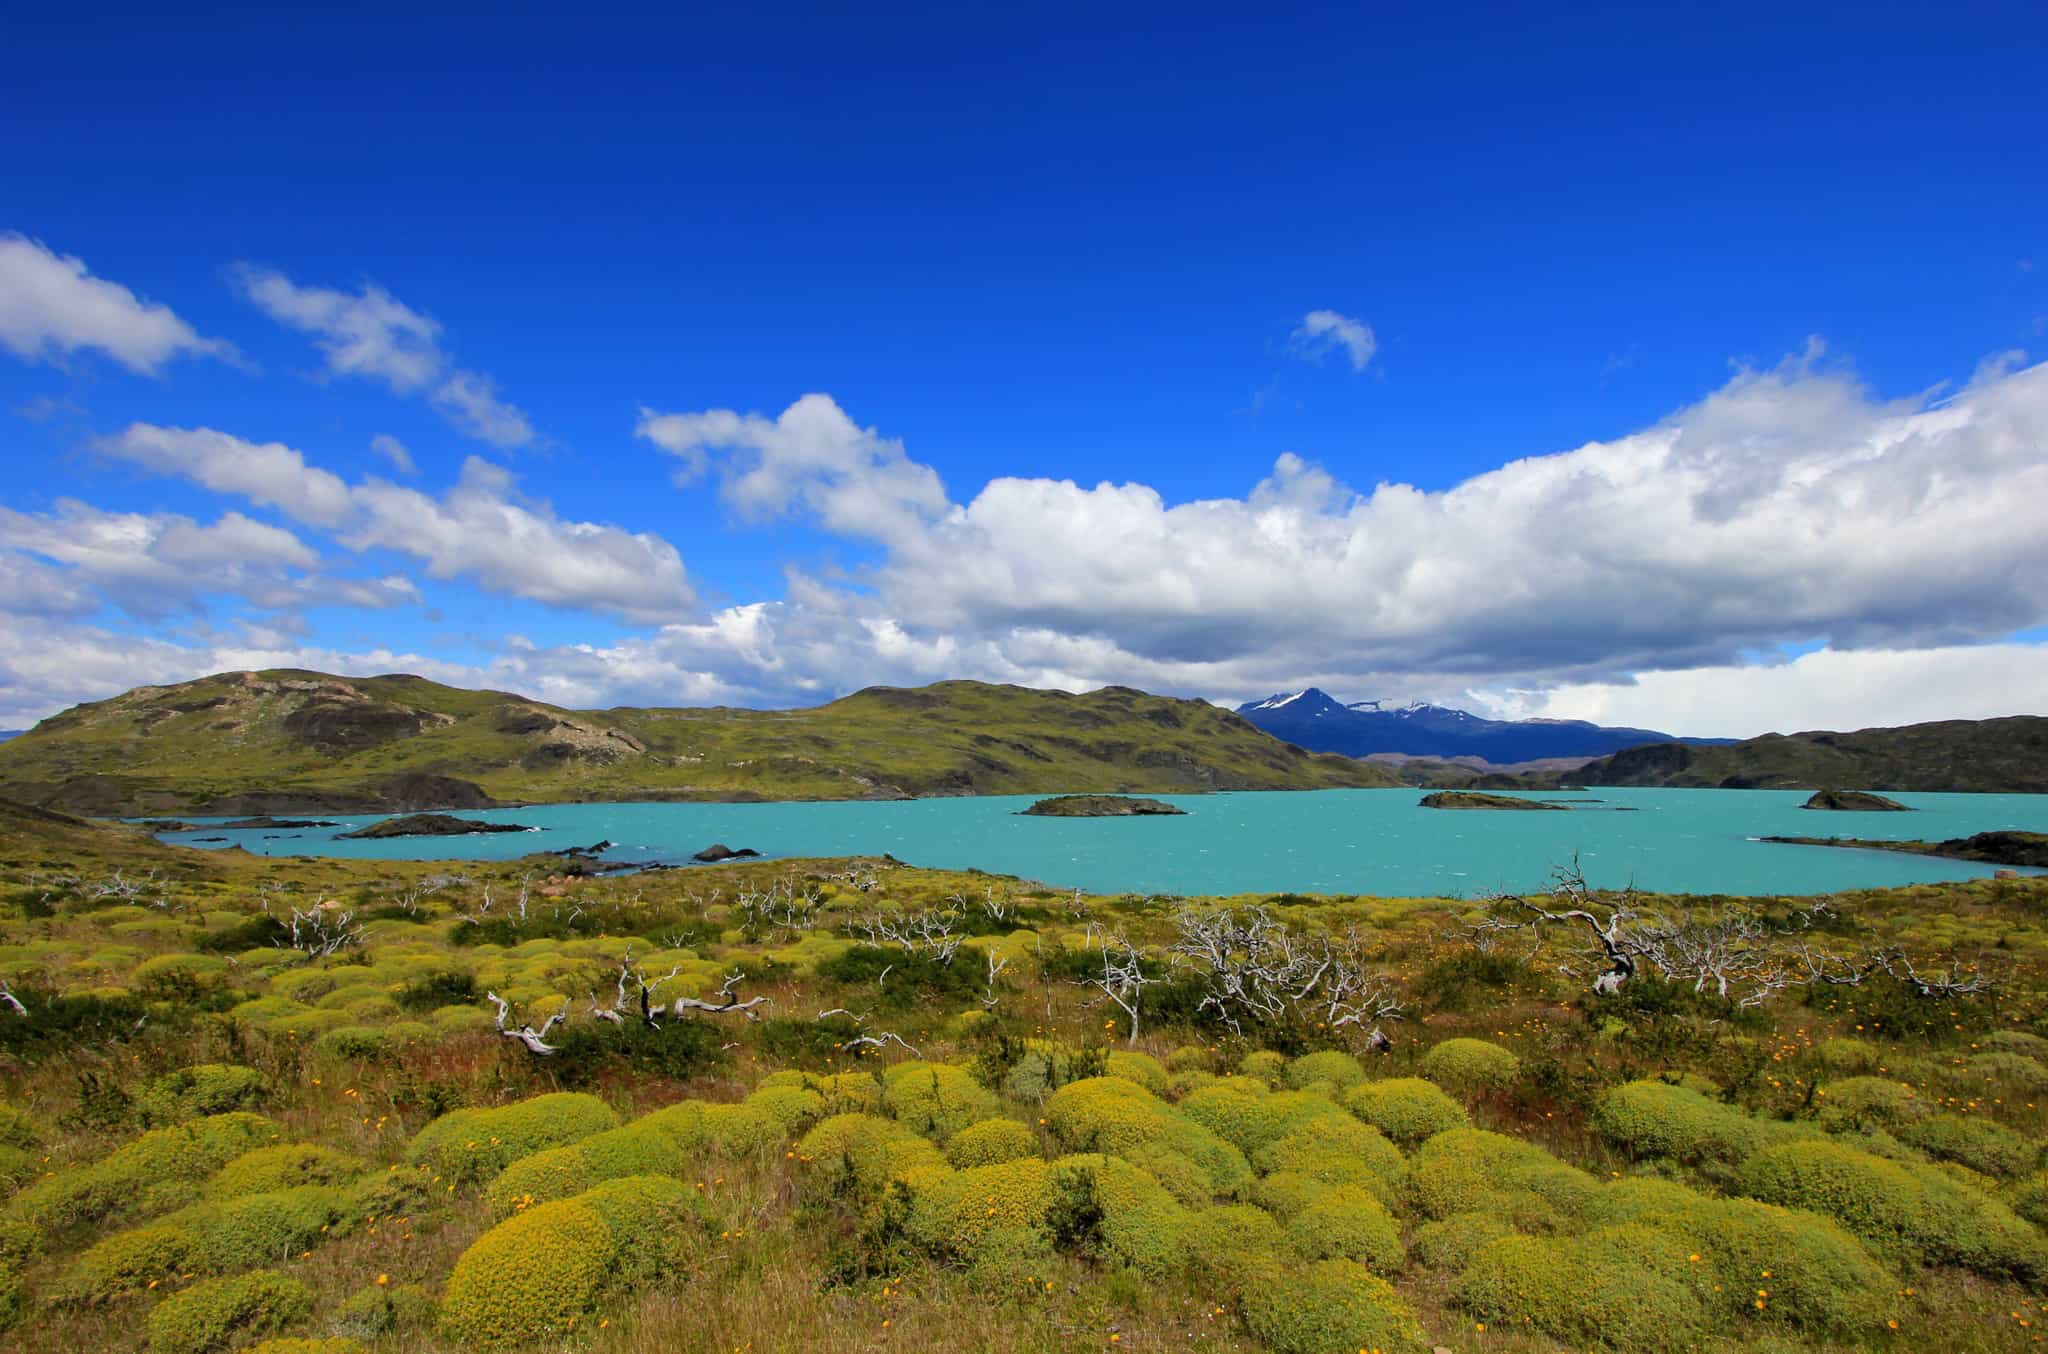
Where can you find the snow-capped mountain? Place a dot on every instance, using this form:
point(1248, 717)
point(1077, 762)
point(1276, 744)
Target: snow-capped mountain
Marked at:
point(1314, 720)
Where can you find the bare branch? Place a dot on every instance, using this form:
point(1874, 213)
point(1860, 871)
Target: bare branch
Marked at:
point(535, 1040)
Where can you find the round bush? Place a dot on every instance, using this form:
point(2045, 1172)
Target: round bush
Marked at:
point(936, 1099)
point(470, 1145)
point(526, 1278)
point(353, 1041)
point(1450, 1243)
point(1469, 1067)
point(1822, 1279)
point(1226, 1241)
point(209, 1088)
point(991, 1142)
point(1347, 1222)
point(125, 1262)
point(217, 1312)
point(1469, 1170)
point(963, 1213)
point(333, 1344)
point(1900, 1209)
point(741, 1130)
point(1406, 1109)
point(377, 1309)
point(282, 1167)
point(1263, 1065)
point(857, 1155)
point(794, 1108)
point(1654, 1119)
point(1251, 1118)
point(147, 1168)
point(237, 1233)
point(1191, 1058)
point(1329, 1307)
point(1339, 1150)
point(1142, 1068)
point(1134, 1218)
point(1864, 1104)
point(1338, 1068)
point(1629, 1288)
point(17, 1130)
point(544, 1177)
point(1983, 1145)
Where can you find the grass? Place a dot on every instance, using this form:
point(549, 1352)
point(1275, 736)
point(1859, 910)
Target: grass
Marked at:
point(788, 1257)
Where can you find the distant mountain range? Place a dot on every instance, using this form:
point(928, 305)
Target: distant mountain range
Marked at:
point(306, 742)
point(2003, 756)
point(1314, 720)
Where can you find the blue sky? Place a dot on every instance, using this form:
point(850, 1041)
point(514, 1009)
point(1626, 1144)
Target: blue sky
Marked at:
point(1785, 271)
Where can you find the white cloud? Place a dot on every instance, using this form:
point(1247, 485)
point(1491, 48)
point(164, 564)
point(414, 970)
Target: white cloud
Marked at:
point(396, 452)
point(857, 482)
point(1827, 689)
point(52, 306)
point(1323, 331)
point(481, 529)
point(373, 334)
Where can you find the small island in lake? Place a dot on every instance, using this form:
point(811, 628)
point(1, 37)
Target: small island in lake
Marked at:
point(2027, 849)
point(1854, 801)
point(430, 825)
point(1473, 799)
point(1100, 806)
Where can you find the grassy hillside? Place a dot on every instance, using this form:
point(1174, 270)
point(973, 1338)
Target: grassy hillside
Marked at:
point(254, 742)
point(1991, 755)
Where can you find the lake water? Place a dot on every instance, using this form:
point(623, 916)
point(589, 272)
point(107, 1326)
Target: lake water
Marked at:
point(1325, 841)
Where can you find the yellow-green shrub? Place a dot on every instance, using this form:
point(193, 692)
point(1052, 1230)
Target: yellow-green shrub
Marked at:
point(17, 1130)
point(1348, 1222)
point(1821, 1278)
point(1329, 1307)
point(794, 1108)
point(470, 1145)
point(1630, 1288)
point(962, 1213)
point(1338, 1149)
point(217, 1312)
point(1861, 1104)
point(209, 1088)
point(1263, 1065)
point(331, 1344)
point(1225, 1242)
point(745, 1129)
point(150, 1168)
point(1406, 1109)
point(281, 1167)
point(125, 1262)
point(857, 1155)
point(237, 1233)
point(1469, 1170)
point(936, 1099)
point(991, 1142)
point(530, 1276)
point(1470, 1067)
point(1654, 1119)
point(1251, 1118)
point(353, 1041)
point(1899, 1209)
point(1139, 1222)
point(1450, 1243)
point(1110, 1114)
point(1338, 1068)
point(1981, 1144)
point(1142, 1068)
point(376, 1309)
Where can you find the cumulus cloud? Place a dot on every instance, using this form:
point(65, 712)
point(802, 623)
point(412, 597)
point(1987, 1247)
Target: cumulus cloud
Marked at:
point(152, 565)
point(371, 333)
point(1322, 332)
point(482, 528)
point(52, 306)
point(811, 456)
point(396, 452)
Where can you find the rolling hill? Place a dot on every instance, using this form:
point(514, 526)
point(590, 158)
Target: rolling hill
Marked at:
point(2007, 755)
point(293, 741)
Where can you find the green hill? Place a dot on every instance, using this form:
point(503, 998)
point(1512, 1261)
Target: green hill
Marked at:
point(1990, 755)
point(291, 741)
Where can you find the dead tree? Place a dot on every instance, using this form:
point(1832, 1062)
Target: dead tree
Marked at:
point(1123, 978)
point(1259, 969)
point(321, 931)
point(534, 1039)
point(922, 930)
point(650, 1011)
point(9, 1000)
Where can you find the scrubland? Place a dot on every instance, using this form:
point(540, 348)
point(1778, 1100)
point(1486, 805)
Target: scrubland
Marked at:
point(302, 1107)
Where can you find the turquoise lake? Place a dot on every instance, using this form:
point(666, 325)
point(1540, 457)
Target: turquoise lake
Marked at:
point(1325, 841)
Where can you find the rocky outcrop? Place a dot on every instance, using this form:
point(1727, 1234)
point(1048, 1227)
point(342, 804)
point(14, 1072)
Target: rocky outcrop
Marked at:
point(1468, 799)
point(1101, 806)
point(1854, 801)
point(429, 825)
point(718, 851)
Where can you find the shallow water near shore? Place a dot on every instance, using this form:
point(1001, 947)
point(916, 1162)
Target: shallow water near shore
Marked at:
point(1325, 841)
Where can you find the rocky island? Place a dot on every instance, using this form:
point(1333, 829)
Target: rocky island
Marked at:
point(1473, 799)
point(2024, 849)
point(429, 825)
point(1100, 806)
point(1854, 801)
